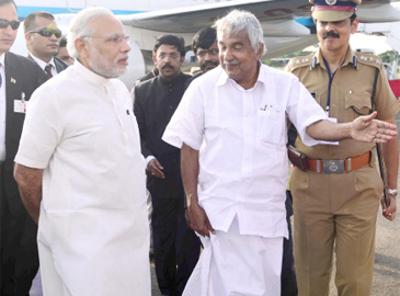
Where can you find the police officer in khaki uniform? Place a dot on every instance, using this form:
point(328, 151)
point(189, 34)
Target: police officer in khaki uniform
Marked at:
point(336, 200)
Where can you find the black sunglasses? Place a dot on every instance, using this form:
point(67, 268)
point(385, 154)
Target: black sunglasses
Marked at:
point(5, 23)
point(46, 32)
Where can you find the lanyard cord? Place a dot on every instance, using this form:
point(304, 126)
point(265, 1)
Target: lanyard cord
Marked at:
point(331, 76)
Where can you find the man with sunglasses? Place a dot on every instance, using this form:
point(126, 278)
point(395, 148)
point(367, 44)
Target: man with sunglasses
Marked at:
point(337, 198)
point(19, 77)
point(43, 40)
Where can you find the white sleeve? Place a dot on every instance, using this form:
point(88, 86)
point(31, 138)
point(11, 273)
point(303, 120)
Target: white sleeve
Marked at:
point(187, 123)
point(41, 131)
point(303, 111)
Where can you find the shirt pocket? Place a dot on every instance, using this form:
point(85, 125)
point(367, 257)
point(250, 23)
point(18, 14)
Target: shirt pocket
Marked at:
point(271, 126)
point(357, 104)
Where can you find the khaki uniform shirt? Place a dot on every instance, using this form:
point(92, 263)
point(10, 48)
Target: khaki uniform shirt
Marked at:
point(350, 90)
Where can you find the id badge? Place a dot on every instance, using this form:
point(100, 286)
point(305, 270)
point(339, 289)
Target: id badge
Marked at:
point(20, 106)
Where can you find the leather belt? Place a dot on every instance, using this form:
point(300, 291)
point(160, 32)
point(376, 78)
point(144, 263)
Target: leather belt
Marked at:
point(339, 166)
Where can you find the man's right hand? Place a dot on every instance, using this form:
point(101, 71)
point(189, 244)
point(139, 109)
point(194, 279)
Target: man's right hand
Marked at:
point(197, 219)
point(155, 169)
point(389, 210)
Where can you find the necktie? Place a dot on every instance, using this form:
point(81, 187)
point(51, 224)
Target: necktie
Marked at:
point(47, 69)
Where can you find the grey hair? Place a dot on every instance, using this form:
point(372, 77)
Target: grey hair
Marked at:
point(79, 26)
point(238, 21)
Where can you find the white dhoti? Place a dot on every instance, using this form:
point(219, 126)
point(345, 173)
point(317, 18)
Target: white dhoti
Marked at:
point(237, 265)
point(111, 258)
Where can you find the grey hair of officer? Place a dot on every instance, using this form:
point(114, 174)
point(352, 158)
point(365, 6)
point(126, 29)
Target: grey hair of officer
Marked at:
point(80, 26)
point(238, 21)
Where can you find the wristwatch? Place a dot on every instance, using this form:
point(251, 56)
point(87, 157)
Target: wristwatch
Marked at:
point(392, 192)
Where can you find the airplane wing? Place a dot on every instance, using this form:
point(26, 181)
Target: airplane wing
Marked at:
point(190, 19)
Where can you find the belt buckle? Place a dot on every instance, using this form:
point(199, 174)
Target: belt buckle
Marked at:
point(333, 166)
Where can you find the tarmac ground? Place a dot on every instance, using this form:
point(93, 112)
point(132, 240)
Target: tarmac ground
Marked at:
point(386, 281)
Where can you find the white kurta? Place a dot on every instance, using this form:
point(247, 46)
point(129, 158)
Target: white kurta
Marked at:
point(241, 137)
point(93, 230)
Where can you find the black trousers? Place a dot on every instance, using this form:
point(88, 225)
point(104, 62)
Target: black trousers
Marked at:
point(288, 275)
point(18, 249)
point(176, 247)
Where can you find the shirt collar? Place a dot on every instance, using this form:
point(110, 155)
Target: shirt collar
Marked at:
point(174, 80)
point(350, 58)
point(224, 78)
point(42, 64)
point(89, 74)
point(2, 56)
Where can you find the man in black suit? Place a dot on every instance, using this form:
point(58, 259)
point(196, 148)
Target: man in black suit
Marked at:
point(19, 78)
point(176, 247)
point(43, 41)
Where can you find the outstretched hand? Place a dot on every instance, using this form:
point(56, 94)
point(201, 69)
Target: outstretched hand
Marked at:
point(368, 129)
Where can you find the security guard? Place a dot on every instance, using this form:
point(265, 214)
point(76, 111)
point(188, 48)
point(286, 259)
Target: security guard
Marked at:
point(336, 200)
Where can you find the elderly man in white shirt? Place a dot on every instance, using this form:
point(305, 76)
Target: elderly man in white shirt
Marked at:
point(231, 127)
point(79, 165)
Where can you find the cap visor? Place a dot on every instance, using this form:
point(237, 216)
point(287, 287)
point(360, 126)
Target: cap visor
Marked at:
point(331, 16)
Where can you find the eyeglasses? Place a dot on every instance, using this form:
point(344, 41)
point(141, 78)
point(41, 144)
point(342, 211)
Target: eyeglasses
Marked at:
point(46, 32)
point(212, 51)
point(5, 23)
point(114, 38)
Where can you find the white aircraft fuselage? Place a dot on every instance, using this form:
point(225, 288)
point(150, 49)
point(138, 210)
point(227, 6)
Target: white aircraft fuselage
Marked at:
point(286, 23)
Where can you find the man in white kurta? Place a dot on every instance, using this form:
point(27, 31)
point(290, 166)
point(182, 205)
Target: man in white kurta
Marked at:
point(231, 127)
point(81, 135)
point(241, 137)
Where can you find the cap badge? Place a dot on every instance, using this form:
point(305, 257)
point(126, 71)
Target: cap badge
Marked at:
point(331, 2)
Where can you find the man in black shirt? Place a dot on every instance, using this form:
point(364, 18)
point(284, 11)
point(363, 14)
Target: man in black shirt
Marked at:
point(176, 247)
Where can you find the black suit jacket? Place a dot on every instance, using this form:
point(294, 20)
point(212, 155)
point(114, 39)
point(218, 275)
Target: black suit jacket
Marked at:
point(155, 102)
point(22, 76)
point(60, 65)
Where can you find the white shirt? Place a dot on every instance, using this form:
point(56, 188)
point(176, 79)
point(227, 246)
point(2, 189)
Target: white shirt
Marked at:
point(80, 129)
point(241, 135)
point(42, 64)
point(2, 110)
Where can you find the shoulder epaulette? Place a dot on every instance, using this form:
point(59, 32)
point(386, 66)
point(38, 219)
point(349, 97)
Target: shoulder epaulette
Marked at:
point(368, 59)
point(299, 62)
